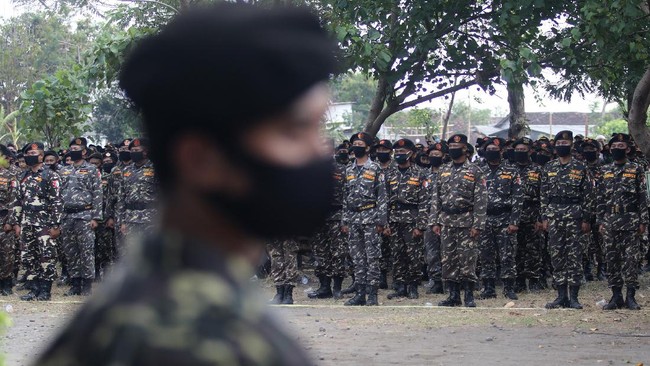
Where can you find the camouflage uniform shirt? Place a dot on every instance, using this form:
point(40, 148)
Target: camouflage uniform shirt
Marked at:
point(82, 192)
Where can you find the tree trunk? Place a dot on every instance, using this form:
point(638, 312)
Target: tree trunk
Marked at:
point(377, 108)
point(445, 122)
point(518, 124)
point(638, 114)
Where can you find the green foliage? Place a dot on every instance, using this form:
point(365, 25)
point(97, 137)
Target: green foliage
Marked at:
point(9, 126)
point(357, 88)
point(614, 126)
point(112, 117)
point(4, 323)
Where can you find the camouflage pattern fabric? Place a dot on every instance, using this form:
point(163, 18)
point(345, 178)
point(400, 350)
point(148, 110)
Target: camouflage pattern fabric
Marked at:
point(137, 196)
point(105, 236)
point(8, 192)
point(459, 254)
point(529, 239)
point(386, 261)
point(40, 253)
point(594, 247)
point(284, 261)
point(366, 253)
point(177, 303)
point(7, 254)
point(407, 253)
point(78, 241)
point(433, 255)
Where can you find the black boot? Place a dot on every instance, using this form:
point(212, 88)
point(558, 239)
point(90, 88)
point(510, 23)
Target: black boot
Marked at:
point(75, 287)
point(469, 295)
point(372, 296)
point(63, 279)
point(359, 298)
point(600, 273)
point(26, 285)
point(5, 286)
point(437, 288)
point(86, 286)
point(351, 289)
point(454, 295)
point(400, 291)
point(288, 295)
point(412, 291)
point(573, 297)
point(508, 288)
point(630, 301)
point(520, 285)
point(534, 285)
point(562, 299)
point(489, 291)
point(616, 302)
point(383, 280)
point(279, 295)
point(589, 276)
point(33, 293)
point(336, 287)
point(45, 294)
point(325, 289)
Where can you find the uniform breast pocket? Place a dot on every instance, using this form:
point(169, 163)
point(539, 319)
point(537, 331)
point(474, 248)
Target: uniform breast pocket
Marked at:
point(627, 186)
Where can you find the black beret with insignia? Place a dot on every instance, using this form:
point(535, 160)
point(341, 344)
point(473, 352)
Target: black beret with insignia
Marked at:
point(80, 141)
point(369, 140)
point(496, 141)
point(33, 146)
point(404, 144)
point(564, 135)
point(385, 144)
point(144, 142)
point(523, 141)
point(440, 146)
point(458, 138)
point(620, 137)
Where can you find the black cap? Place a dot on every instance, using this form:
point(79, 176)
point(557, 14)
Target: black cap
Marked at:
point(141, 141)
point(523, 141)
point(457, 138)
point(386, 144)
point(81, 141)
point(496, 141)
point(440, 146)
point(33, 146)
point(404, 144)
point(620, 137)
point(369, 140)
point(564, 135)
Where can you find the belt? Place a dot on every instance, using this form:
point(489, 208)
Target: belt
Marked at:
point(364, 208)
point(457, 210)
point(565, 200)
point(620, 209)
point(32, 208)
point(400, 206)
point(531, 202)
point(493, 211)
point(138, 206)
point(77, 209)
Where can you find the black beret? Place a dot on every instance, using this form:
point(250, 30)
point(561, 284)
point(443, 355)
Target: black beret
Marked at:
point(523, 141)
point(144, 142)
point(496, 141)
point(458, 138)
point(620, 137)
point(564, 135)
point(440, 146)
point(404, 144)
point(589, 142)
point(96, 155)
point(51, 153)
point(33, 146)
point(342, 147)
point(110, 155)
point(369, 140)
point(81, 141)
point(386, 144)
point(124, 143)
point(470, 149)
point(544, 145)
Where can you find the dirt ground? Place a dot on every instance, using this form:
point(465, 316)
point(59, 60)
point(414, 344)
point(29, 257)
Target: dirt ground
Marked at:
point(413, 332)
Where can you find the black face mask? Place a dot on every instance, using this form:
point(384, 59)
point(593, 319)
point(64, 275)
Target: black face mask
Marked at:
point(31, 160)
point(491, 155)
point(124, 156)
point(521, 157)
point(107, 168)
point(563, 151)
point(436, 161)
point(137, 156)
point(383, 157)
point(76, 155)
point(342, 158)
point(456, 153)
point(543, 159)
point(401, 158)
point(424, 164)
point(279, 205)
point(359, 151)
point(590, 155)
point(533, 156)
point(618, 154)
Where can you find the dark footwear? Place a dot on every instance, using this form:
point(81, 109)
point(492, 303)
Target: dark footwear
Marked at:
point(279, 295)
point(75, 287)
point(489, 291)
point(630, 301)
point(288, 295)
point(520, 285)
point(562, 299)
point(359, 298)
point(372, 297)
point(5, 286)
point(383, 280)
point(469, 295)
point(589, 276)
point(86, 286)
point(573, 297)
point(454, 295)
point(400, 291)
point(45, 293)
point(412, 291)
point(26, 285)
point(336, 287)
point(508, 288)
point(616, 302)
point(325, 289)
point(437, 288)
point(600, 273)
point(534, 285)
point(351, 289)
point(33, 293)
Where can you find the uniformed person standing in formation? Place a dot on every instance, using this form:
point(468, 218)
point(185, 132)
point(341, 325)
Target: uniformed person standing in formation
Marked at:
point(622, 218)
point(364, 218)
point(590, 150)
point(407, 217)
point(384, 152)
point(105, 234)
point(284, 273)
point(498, 241)
point(82, 206)
point(114, 183)
point(458, 211)
point(38, 214)
point(8, 239)
point(437, 154)
point(567, 209)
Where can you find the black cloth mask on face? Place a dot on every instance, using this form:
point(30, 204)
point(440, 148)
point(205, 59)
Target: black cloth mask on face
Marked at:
point(383, 157)
point(359, 151)
point(563, 151)
point(283, 202)
point(543, 159)
point(108, 167)
point(76, 155)
point(436, 161)
point(590, 155)
point(343, 158)
point(521, 157)
point(456, 153)
point(124, 155)
point(618, 154)
point(31, 160)
point(401, 158)
point(137, 156)
point(492, 155)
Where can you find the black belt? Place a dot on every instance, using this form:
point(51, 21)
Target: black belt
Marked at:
point(364, 208)
point(531, 202)
point(139, 206)
point(32, 208)
point(565, 200)
point(620, 209)
point(493, 211)
point(77, 209)
point(400, 206)
point(457, 210)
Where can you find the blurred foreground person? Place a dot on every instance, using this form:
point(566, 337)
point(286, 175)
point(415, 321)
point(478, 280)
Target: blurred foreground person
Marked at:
point(247, 166)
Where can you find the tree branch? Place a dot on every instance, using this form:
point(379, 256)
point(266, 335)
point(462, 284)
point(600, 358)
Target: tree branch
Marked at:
point(455, 88)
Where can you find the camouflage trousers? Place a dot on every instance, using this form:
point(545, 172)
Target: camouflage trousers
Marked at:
point(623, 254)
point(104, 247)
point(432, 252)
point(546, 254)
point(365, 249)
point(407, 253)
point(39, 257)
point(134, 230)
point(7, 254)
point(330, 251)
point(593, 247)
point(529, 251)
point(284, 261)
point(60, 251)
point(79, 246)
point(459, 254)
point(496, 246)
point(385, 263)
point(566, 246)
